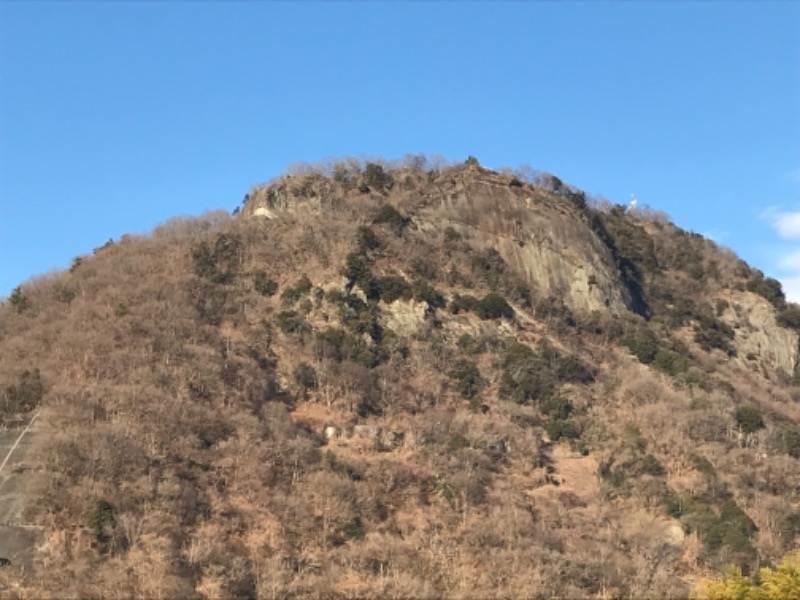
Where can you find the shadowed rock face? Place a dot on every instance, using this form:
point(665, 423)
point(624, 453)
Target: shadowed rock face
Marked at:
point(542, 237)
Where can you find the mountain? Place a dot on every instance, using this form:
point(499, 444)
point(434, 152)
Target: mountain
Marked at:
point(399, 381)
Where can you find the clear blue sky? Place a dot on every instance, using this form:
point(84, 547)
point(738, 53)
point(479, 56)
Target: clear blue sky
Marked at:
point(117, 116)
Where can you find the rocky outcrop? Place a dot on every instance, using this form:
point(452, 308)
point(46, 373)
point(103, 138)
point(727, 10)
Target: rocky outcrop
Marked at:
point(758, 335)
point(542, 237)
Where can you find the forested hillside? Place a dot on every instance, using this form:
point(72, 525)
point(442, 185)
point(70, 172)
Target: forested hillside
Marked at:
point(407, 381)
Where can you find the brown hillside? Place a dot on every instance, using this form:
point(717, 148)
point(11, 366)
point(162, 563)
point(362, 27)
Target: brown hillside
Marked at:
point(406, 383)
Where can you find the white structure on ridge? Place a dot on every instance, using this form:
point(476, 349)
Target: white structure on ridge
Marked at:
point(633, 203)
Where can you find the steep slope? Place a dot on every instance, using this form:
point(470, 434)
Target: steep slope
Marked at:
point(405, 383)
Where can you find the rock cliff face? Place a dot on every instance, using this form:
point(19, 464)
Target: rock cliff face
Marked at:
point(542, 237)
point(759, 338)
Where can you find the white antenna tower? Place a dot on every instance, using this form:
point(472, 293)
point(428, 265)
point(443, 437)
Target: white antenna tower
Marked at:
point(633, 202)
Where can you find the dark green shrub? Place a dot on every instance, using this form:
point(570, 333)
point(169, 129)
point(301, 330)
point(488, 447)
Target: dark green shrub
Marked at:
point(336, 297)
point(789, 317)
point(525, 386)
point(390, 216)
point(203, 260)
point(26, 393)
point(671, 362)
point(393, 287)
point(672, 503)
point(491, 306)
point(712, 333)
point(354, 530)
point(721, 306)
point(533, 375)
point(731, 514)
point(365, 322)
point(571, 369)
point(101, 520)
point(729, 534)
point(18, 300)
point(264, 285)
point(472, 161)
point(559, 425)
point(768, 288)
point(644, 345)
point(457, 442)
point(557, 407)
point(376, 176)
point(578, 199)
point(465, 302)
point(341, 173)
point(547, 351)
point(451, 235)
point(305, 376)
point(293, 293)
point(227, 249)
point(291, 322)
point(360, 317)
point(790, 526)
point(790, 439)
point(527, 375)
point(330, 344)
point(109, 244)
point(218, 263)
point(549, 182)
point(339, 345)
point(561, 428)
point(468, 378)
point(469, 345)
point(681, 311)
point(209, 300)
point(698, 514)
point(748, 419)
point(357, 270)
point(489, 267)
point(422, 291)
point(494, 306)
point(353, 305)
point(703, 465)
point(63, 294)
point(651, 466)
point(633, 242)
point(366, 239)
point(613, 477)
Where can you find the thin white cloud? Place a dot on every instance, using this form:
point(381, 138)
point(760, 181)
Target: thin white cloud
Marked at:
point(786, 223)
point(787, 261)
point(791, 288)
point(716, 235)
